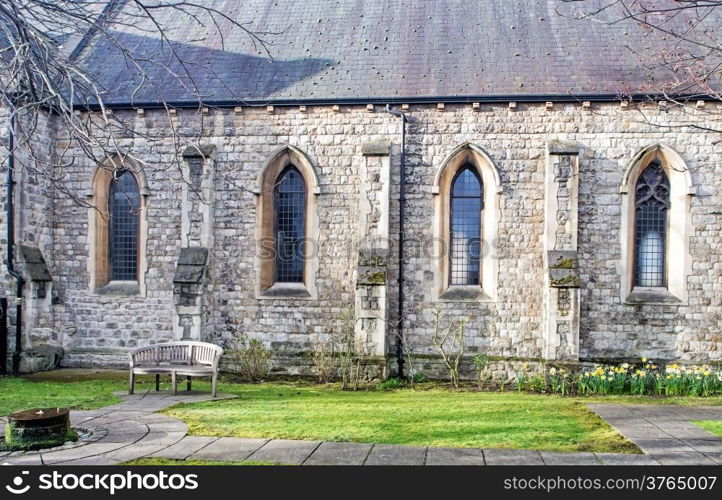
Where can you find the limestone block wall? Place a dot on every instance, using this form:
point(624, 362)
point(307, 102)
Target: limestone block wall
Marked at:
point(516, 142)
point(34, 219)
point(98, 329)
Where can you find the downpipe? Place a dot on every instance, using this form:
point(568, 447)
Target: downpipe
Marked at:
point(402, 212)
point(19, 282)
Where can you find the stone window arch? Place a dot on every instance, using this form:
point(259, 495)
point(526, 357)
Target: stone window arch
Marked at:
point(656, 190)
point(287, 226)
point(466, 265)
point(117, 229)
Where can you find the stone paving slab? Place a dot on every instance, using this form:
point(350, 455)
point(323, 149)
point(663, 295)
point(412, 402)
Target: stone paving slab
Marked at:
point(89, 450)
point(159, 437)
point(642, 432)
point(333, 453)
point(552, 458)
point(625, 459)
point(682, 458)
point(154, 418)
point(134, 452)
point(284, 451)
point(661, 445)
point(512, 457)
point(102, 460)
point(123, 437)
point(455, 456)
point(167, 427)
point(229, 449)
point(23, 460)
point(185, 447)
point(389, 454)
point(689, 431)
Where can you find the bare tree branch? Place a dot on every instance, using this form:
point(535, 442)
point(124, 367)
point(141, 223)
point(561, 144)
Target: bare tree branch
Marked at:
point(42, 73)
point(687, 49)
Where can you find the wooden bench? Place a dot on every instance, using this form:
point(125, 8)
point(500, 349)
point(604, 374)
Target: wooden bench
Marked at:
point(189, 359)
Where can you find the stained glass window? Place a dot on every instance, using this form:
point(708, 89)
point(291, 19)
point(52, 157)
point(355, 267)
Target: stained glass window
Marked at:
point(465, 228)
point(290, 225)
point(650, 247)
point(124, 208)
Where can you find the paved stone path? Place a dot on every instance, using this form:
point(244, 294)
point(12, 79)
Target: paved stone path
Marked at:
point(665, 432)
point(131, 430)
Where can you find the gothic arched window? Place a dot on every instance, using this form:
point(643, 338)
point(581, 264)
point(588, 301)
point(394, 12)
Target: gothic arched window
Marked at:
point(652, 204)
point(290, 226)
point(124, 211)
point(465, 227)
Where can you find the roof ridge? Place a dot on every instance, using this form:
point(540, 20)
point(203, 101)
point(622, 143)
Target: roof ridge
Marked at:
point(84, 40)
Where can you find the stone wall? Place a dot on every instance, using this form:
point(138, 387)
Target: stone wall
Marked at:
point(98, 329)
point(34, 226)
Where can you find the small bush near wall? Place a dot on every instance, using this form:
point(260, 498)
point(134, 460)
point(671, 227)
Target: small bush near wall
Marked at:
point(249, 357)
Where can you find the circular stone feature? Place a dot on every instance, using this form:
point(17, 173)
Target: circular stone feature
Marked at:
point(38, 426)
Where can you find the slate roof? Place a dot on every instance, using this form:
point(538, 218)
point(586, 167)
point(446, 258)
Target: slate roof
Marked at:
point(346, 49)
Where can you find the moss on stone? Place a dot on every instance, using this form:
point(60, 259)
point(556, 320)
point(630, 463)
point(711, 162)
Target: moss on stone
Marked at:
point(377, 278)
point(569, 263)
point(9, 445)
point(569, 281)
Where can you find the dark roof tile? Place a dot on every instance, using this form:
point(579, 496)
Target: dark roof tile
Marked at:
point(330, 49)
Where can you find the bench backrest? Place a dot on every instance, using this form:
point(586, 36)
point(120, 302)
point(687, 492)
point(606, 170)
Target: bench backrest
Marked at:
point(177, 353)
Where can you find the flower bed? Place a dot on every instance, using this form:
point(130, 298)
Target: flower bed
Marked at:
point(649, 379)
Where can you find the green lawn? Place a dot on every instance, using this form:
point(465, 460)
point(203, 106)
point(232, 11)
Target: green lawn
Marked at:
point(713, 426)
point(433, 417)
point(79, 389)
point(428, 415)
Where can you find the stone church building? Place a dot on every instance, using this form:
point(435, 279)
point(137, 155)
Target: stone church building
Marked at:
point(502, 165)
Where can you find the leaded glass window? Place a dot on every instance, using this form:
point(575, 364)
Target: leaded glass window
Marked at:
point(290, 226)
point(650, 247)
point(465, 228)
point(124, 209)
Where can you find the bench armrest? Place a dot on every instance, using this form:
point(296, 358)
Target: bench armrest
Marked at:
point(217, 360)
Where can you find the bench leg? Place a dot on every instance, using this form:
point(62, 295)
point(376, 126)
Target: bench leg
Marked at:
point(131, 382)
point(188, 383)
point(173, 381)
point(214, 379)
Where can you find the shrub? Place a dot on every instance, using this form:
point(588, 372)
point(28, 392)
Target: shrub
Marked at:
point(250, 358)
point(503, 381)
point(322, 356)
point(481, 364)
point(389, 384)
point(450, 342)
point(344, 345)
